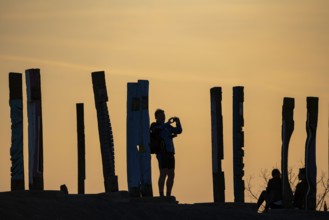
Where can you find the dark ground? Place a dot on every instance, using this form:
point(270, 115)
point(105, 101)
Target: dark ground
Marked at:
point(56, 205)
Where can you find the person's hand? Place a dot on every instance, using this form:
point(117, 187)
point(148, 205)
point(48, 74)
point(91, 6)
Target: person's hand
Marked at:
point(172, 120)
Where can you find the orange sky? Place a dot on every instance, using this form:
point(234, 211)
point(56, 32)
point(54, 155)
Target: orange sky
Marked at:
point(273, 48)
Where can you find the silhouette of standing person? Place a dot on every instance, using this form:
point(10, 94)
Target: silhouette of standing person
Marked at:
point(165, 132)
point(301, 190)
point(273, 193)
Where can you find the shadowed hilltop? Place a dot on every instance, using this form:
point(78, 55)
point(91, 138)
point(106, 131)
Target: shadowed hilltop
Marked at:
point(57, 205)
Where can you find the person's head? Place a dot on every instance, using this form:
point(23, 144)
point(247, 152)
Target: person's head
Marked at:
point(160, 116)
point(275, 173)
point(301, 174)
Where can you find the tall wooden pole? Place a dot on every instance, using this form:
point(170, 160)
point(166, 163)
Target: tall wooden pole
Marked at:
point(138, 139)
point(16, 115)
point(34, 110)
point(105, 132)
point(217, 144)
point(238, 143)
point(310, 151)
point(81, 148)
point(287, 130)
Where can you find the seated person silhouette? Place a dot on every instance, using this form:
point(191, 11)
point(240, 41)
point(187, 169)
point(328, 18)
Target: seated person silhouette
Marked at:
point(273, 193)
point(301, 190)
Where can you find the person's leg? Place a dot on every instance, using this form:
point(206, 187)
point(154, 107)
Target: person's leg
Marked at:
point(163, 172)
point(171, 173)
point(170, 181)
point(275, 206)
point(261, 199)
point(161, 181)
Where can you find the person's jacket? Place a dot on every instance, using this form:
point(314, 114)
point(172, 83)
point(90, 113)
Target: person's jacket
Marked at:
point(300, 194)
point(166, 133)
point(274, 190)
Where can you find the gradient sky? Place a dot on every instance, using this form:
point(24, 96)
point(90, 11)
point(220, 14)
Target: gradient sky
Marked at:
point(274, 49)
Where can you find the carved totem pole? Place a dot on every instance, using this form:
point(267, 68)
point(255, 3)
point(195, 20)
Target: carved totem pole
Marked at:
point(217, 144)
point(138, 139)
point(34, 111)
point(16, 115)
point(105, 132)
point(310, 152)
point(287, 130)
point(238, 143)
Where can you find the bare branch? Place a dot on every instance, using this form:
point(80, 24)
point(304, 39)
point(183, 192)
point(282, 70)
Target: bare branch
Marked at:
point(322, 196)
point(292, 178)
point(265, 176)
point(249, 189)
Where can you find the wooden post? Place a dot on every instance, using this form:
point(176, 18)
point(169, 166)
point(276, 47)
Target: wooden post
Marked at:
point(310, 151)
point(138, 139)
point(287, 130)
point(81, 148)
point(105, 132)
point(217, 144)
point(34, 111)
point(16, 115)
point(238, 143)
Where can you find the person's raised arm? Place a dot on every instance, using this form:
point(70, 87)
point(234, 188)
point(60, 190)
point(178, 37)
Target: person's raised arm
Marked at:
point(178, 129)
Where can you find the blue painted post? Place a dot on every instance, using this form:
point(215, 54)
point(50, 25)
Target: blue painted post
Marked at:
point(138, 138)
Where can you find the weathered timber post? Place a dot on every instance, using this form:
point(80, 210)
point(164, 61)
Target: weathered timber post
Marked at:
point(138, 139)
point(217, 144)
point(105, 132)
point(287, 130)
point(16, 115)
point(238, 143)
point(310, 151)
point(81, 148)
point(34, 111)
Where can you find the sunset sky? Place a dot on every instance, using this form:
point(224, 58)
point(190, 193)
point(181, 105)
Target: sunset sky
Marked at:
point(274, 49)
